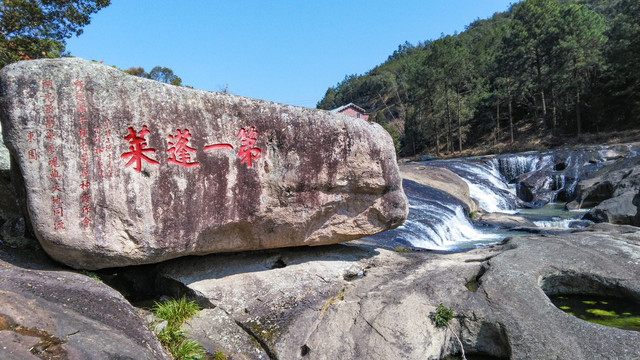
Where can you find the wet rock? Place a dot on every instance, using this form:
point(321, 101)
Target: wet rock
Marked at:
point(504, 221)
point(613, 195)
point(121, 170)
point(622, 210)
point(550, 176)
point(439, 178)
point(47, 312)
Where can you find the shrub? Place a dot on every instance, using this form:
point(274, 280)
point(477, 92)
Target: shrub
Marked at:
point(443, 315)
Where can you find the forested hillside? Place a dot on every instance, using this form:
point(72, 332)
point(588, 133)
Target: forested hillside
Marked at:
point(560, 67)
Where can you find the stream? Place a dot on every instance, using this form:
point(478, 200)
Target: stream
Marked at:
point(534, 186)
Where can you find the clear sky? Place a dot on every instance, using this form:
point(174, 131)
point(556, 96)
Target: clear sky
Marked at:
point(284, 51)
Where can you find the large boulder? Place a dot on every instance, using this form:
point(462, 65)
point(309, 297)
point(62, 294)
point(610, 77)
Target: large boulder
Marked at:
point(120, 170)
point(47, 312)
point(613, 195)
point(622, 209)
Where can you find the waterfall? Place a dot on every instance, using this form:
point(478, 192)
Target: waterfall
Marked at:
point(510, 167)
point(486, 185)
point(437, 221)
point(557, 222)
point(440, 226)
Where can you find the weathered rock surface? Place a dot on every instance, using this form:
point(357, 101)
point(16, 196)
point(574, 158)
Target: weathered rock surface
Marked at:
point(47, 312)
point(121, 170)
point(505, 221)
point(613, 194)
point(439, 178)
point(354, 302)
point(549, 176)
point(622, 209)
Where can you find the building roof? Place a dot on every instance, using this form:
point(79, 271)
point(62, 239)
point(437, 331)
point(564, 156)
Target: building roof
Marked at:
point(347, 106)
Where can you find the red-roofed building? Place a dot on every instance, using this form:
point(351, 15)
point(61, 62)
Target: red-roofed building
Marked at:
point(352, 110)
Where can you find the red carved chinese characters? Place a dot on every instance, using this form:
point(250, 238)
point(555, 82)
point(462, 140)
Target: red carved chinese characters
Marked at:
point(138, 148)
point(179, 151)
point(107, 147)
point(247, 152)
point(85, 196)
point(53, 165)
point(218, 147)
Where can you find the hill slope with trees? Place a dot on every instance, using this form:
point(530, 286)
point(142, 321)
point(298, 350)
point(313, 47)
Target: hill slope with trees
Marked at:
point(544, 68)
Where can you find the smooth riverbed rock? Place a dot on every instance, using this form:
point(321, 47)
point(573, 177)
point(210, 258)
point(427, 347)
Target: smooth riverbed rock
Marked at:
point(357, 302)
point(120, 170)
point(442, 179)
point(613, 195)
point(47, 312)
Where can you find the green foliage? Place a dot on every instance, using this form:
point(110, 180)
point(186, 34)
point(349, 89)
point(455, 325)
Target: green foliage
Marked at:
point(176, 312)
point(558, 66)
point(165, 75)
point(442, 316)
point(158, 73)
point(92, 275)
point(218, 355)
point(179, 346)
point(31, 29)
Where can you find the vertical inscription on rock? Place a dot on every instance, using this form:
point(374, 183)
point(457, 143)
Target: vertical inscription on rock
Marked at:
point(51, 154)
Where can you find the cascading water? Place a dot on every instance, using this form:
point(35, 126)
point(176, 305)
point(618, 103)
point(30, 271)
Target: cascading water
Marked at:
point(512, 166)
point(437, 221)
point(486, 185)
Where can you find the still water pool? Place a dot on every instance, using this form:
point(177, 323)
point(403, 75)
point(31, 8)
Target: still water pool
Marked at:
point(609, 311)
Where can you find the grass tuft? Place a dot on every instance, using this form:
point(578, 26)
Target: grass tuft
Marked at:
point(91, 274)
point(176, 312)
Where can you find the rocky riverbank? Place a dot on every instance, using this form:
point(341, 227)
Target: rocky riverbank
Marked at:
point(358, 300)
point(334, 302)
point(339, 302)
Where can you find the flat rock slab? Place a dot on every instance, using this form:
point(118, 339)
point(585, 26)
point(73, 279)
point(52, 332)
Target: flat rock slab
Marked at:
point(50, 313)
point(357, 302)
point(120, 170)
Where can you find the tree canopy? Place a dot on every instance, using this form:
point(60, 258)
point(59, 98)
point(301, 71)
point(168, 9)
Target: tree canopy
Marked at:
point(158, 73)
point(31, 29)
point(552, 66)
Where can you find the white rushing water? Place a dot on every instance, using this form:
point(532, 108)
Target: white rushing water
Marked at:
point(441, 226)
point(486, 185)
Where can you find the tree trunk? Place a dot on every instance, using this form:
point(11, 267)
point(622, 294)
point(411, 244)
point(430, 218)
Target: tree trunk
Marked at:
point(498, 119)
point(510, 112)
point(539, 73)
point(510, 120)
point(459, 122)
point(435, 128)
point(554, 130)
point(544, 111)
point(578, 118)
point(450, 135)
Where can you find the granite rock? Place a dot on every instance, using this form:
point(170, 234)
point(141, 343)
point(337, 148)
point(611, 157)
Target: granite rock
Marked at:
point(312, 306)
point(120, 170)
point(49, 312)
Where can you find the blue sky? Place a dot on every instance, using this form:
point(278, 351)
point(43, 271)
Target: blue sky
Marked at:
point(284, 51)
